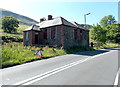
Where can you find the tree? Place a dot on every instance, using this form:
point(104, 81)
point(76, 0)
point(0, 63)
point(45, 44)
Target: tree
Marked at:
point(98, 34)
point(113, 34)
point(9, 24)
point(107, 20)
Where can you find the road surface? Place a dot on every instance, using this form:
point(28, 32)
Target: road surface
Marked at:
point(99, 67)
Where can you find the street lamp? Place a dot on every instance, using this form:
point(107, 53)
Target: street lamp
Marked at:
point(85, 18)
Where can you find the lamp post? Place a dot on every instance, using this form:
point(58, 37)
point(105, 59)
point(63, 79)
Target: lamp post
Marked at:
point(85, 18)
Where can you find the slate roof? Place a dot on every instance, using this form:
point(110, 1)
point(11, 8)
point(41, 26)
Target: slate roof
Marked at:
point(54, 22)
point(33, 27)
point(78, 25)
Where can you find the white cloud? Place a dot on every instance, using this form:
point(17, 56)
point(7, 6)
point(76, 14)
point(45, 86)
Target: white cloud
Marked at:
point(9, 4)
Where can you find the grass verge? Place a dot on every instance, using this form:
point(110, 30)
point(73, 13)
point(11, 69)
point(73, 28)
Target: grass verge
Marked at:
point(15, 53)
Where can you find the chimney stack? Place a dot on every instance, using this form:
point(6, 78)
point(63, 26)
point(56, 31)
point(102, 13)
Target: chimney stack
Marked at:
point(49, 17)
point(41, 20)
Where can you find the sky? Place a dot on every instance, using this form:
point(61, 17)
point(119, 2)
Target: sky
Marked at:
point(119, 12)
point(72, 10)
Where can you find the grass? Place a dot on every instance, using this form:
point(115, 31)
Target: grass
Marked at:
point(51, 52)
point(21, 28)
point(15, 53)
point(8, 34)
point(108, 45)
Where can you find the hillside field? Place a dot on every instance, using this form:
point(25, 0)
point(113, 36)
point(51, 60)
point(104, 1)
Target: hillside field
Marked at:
point(19, 31)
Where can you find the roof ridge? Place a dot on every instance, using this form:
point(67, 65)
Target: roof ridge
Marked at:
point(68, 21)
point(58, 17)
point(61, 20)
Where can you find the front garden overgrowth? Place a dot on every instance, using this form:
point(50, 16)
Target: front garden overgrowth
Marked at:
point(15, 53)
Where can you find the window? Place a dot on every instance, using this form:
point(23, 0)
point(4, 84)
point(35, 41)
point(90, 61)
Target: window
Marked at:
point(36, 38)
point(52, 32)
point(26, 36)
point(80, 31)
point(81, 35)
point(45, 34)
point(75, 34)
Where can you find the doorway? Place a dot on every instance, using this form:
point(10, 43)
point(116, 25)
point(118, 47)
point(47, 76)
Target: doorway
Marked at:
point(36, 39)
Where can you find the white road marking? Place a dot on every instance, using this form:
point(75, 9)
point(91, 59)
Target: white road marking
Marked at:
point(49, 73)
point(116, 78)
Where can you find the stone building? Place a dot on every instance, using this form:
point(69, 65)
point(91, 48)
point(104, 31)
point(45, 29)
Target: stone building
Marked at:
point(56, 32)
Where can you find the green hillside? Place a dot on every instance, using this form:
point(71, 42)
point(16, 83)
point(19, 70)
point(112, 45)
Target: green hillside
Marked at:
point(23, 20)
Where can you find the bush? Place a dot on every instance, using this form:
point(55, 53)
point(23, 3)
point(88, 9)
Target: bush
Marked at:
point(98, 34)
point(113, 34)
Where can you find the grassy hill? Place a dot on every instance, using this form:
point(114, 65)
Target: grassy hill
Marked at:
point(23, 20)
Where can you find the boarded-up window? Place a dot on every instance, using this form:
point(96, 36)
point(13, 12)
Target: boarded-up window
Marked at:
point(45, 34)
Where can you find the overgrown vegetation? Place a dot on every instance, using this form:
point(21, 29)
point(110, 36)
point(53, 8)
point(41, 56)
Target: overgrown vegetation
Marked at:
point(98, 34)
point(107, 31)
point(15, 53)
point(113, 33)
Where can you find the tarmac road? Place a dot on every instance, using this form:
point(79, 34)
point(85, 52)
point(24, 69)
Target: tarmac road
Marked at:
point(97, 67)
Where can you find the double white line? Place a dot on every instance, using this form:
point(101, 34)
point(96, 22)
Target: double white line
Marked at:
point(117, 78)
point(49, 73)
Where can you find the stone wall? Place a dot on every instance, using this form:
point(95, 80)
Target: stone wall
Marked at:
point(70, 41)
point(55, 42)
point(64, 36)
